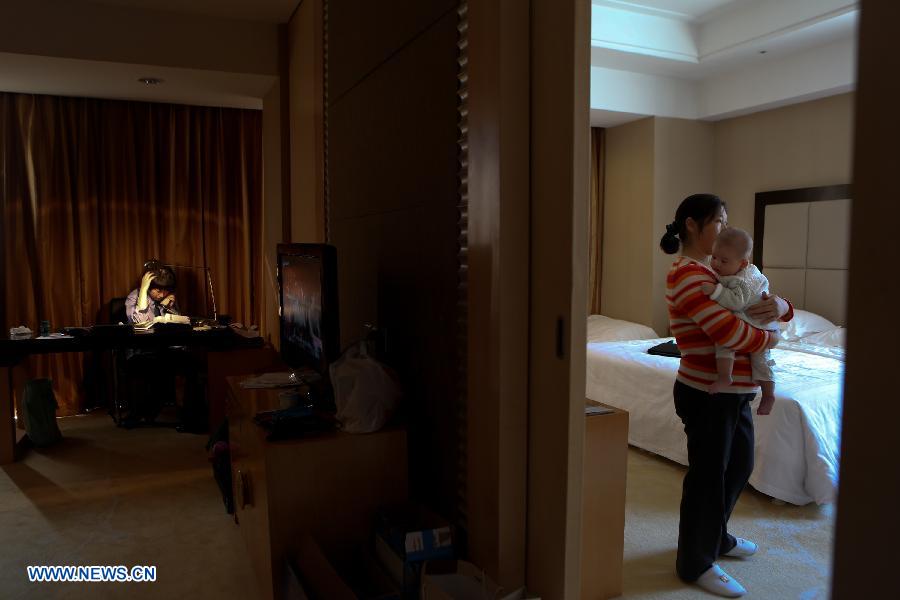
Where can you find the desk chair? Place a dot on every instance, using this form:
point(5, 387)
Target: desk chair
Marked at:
point(126, 408)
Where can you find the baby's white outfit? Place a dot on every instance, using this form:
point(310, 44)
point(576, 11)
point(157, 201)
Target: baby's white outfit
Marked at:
point(737, 292)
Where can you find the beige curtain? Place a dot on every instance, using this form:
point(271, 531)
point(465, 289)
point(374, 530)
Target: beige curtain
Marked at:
point(90, 189)
point(595, 239)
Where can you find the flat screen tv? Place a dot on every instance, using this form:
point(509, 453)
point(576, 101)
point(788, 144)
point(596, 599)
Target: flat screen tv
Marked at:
point(307, 280)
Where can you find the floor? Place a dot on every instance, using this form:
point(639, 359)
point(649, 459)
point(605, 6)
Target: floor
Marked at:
point(795, 541)
point(110, 496)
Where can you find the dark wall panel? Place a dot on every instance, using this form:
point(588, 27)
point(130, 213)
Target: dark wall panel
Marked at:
point(393, 196)
point(363, 34)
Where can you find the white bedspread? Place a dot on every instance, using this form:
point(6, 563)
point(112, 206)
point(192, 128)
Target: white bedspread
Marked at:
point(797, 445)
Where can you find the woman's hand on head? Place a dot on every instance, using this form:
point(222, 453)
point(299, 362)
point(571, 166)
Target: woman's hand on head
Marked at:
point(770, 308)
point(146, 280)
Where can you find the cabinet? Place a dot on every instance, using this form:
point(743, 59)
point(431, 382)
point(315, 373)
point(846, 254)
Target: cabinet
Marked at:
point(603, 508)
point(327, 487)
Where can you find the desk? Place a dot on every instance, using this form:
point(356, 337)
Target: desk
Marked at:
point(12, 352)
point(327, 486)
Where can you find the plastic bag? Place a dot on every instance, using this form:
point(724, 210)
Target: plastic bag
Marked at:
point(366, 392)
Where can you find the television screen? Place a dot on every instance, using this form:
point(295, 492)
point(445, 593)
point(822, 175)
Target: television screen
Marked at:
point(309, 325)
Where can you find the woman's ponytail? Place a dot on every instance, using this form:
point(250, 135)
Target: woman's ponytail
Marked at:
point(670, 241)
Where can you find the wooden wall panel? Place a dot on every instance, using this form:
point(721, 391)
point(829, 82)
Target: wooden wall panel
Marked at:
point(388, 138)
point(363, 35)
point(392, 206)
point(307, 168)
point(870, 479)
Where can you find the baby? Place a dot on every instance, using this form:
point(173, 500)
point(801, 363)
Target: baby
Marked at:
point(740, 285)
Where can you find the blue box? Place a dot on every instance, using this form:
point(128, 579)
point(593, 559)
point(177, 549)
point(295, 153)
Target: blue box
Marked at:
point(405, 537)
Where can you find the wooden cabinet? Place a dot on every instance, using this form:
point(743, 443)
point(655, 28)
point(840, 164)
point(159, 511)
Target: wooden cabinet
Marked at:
point(603, 509)
point(327, 486)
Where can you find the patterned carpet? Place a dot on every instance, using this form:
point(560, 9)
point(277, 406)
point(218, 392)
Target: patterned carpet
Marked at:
point(110, 496)
point(794, 560)
point(146, 497)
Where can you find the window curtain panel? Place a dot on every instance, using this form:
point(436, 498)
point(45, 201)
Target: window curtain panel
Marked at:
point(595, 235)
point(90, 189)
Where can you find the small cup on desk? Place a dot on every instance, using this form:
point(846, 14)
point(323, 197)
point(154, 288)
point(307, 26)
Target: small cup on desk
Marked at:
point(288, 399)
point(45, 328)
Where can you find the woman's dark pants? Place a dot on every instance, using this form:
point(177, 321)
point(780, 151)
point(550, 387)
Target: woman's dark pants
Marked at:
point(719, 431)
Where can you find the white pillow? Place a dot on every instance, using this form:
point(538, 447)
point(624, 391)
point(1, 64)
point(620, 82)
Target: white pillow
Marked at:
point(833, 337)
point(605, 329)
point(803, 324)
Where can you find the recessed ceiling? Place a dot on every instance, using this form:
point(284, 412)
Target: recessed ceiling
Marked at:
point(709, 59)
point(266, 11)
point(688, 10)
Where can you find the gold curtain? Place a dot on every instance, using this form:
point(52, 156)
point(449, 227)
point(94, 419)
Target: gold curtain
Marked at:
point(90, 189)
point(595, 236)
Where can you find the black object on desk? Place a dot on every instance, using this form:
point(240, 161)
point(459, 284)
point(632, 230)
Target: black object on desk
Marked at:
point(669, 348)
point(294, 422)
point(107, 330)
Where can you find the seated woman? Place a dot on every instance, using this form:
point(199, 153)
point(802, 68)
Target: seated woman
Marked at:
point(155, 297)
point(155, 370)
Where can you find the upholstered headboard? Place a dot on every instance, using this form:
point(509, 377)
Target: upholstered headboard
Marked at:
point(802, 243)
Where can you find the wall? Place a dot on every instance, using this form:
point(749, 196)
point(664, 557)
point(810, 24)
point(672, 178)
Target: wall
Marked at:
point(392, 180)
point(271, 214)
point(560, 57)
point(870, 480)
point(307, 172)
point(626, 290)
point(796, 146)
point(497, 287)
point(652, 164)
point(126, 34)
point(683, 155)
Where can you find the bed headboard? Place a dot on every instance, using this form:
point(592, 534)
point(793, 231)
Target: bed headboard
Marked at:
point(802, 243)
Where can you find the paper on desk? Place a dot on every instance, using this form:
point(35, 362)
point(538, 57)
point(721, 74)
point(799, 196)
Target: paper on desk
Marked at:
point(270, 380)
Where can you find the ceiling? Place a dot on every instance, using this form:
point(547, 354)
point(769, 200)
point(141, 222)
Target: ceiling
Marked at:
point(32, 74)
point(688, 10)
point(697, 59)
point(710, 59)
point(266, 11)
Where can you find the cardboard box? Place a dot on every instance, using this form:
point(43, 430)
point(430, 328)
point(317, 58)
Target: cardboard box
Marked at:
point(317, 578)
point(461, 580)
point(407, 535)
point(313, 576)
point(366, 577)
point(415, 533)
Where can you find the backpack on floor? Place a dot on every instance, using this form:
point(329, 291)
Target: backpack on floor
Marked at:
point(39, 408)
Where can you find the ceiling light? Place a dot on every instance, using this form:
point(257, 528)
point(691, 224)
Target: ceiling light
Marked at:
point(150, 80)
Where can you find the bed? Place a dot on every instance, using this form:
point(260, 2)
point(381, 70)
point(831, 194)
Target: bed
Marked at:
point(797, 446)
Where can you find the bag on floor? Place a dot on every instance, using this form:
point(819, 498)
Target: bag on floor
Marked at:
point(39, 408)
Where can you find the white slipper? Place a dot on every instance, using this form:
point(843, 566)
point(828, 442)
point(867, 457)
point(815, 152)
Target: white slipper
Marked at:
point(716, 581)
point(742, 549)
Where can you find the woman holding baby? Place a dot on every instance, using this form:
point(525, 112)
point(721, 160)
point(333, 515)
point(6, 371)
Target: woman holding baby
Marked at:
point(714, 406)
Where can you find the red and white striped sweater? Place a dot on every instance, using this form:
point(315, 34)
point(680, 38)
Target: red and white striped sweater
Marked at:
point(699, 323)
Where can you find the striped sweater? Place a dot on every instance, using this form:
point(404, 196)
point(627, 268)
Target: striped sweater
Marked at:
point(699, 323)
